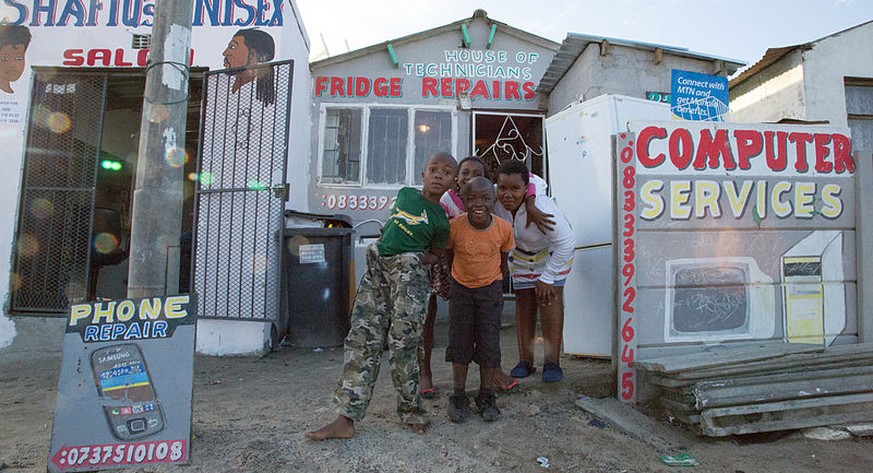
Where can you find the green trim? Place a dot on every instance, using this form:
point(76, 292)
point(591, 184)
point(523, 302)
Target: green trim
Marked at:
point(491, 35)
point(393, 55)
point(465, 35)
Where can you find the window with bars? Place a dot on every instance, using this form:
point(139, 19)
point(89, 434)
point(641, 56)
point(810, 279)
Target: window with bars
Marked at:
point(396, 140)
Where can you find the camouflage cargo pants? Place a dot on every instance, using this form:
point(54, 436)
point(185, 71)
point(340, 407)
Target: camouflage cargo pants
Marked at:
point(391, 304)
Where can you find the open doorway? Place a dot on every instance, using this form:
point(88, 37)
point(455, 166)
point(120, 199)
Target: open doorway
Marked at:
point(74, 224)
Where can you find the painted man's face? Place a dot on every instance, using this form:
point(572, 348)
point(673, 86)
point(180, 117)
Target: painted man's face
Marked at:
point(11, 62)
point(236, 54)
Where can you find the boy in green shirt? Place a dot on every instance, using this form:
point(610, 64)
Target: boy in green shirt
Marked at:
point(391, 304)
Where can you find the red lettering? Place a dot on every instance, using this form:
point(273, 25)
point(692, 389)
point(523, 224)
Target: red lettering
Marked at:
point(480, 89)
point(429, 87)
point(142, 57)
point(749, 144)
point(511, 91)
point(350, 84)
point(710, 148)
point(843, 154)
point(777, 161)
point(103, 55)
point(821, 152)
point(321, 85)
point(529, 92)
point(681, 148)
point(380, 87)
point(461, 86)
point(396, 84)
point(496, 89)
point(362, 87)
point(446, 87)
point(643, 138)
point(119, 58)
point(336, 87)
point(73, 57)
point(800, 139)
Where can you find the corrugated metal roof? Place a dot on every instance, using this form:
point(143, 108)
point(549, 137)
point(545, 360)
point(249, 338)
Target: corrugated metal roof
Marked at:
point(503, 28)
point(575, 43)
point(771, 56)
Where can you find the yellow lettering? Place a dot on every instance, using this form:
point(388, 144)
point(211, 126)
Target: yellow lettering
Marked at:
point(680, 192)
point(125, 311)
point(79, 311)
point(706, 196)
point(150, 309)
point(738, 200)
point(761, 205)
point(654, 203)
point(173, 309)
point(833, 206)
point(804, 196)
point(781, 209)
point(101, 313)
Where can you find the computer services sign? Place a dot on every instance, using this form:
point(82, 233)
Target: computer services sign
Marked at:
point(732, 232)
point(124, 394)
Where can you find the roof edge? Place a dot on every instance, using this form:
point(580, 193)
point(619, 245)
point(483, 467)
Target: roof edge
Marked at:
point(479, 13)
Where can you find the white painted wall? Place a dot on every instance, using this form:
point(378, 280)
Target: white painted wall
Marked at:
point(848, 54)
point(12, 137)
point(215, 337)
point(807, 84)
point(623, 71)
point(777, 92)
point(229, 337)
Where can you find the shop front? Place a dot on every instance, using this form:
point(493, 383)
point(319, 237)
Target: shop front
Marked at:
point(468, 88)
point(70, 122)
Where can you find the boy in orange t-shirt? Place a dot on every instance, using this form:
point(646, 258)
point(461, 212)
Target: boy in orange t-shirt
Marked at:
point(478, 249)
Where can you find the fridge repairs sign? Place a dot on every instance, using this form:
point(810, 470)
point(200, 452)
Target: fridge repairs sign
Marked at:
point(696, 96)
point(124, 394)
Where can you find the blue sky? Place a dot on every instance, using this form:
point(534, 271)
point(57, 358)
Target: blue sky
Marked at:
point(735, 29)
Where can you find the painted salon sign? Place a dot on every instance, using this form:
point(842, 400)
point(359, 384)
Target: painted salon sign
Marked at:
point(473, 73)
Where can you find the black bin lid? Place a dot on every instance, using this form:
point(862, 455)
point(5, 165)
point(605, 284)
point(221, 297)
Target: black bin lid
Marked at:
point(330, 220)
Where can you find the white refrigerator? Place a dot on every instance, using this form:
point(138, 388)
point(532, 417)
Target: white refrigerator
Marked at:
point(580, 168)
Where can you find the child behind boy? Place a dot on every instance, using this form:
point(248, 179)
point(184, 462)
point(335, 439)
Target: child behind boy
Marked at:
point(391, 303)
point(478, 249)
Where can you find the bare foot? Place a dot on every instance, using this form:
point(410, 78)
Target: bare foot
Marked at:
point(425, 383)
point(503, 381)
point(419, 429)
point(341, 428)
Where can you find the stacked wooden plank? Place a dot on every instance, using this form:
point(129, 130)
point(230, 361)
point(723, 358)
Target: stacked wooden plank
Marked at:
point(764, 387)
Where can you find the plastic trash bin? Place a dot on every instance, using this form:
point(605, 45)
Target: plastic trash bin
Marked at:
point(317, 275)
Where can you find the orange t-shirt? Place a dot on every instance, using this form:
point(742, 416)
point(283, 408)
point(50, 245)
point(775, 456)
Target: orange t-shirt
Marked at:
point(477, 252)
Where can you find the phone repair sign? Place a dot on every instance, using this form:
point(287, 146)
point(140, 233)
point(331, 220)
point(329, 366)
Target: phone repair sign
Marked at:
point(124, 394)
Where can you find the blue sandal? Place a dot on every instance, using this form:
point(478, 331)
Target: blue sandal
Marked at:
point(552, 373)
point(522, 370)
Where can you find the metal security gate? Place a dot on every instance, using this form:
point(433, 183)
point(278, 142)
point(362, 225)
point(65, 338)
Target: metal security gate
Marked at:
point(51, 259)
point(242, 192)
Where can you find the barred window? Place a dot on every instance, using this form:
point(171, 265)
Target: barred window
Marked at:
point(381, 145)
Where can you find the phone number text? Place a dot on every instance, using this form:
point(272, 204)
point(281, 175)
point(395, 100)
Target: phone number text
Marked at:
point(356, 202)
point(134, 453)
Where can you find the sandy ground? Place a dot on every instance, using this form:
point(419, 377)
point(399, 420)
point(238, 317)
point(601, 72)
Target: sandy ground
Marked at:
point(249, 415)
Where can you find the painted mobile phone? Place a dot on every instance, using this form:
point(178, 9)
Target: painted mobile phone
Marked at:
point(125, 392)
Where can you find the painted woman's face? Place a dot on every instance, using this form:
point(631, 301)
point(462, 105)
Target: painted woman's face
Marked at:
point(11, 62)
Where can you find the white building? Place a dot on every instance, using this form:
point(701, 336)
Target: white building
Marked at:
point(829, 79)
point(70, 125)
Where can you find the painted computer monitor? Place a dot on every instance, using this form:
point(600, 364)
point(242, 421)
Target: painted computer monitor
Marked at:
point(718, 299)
